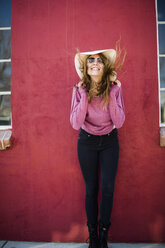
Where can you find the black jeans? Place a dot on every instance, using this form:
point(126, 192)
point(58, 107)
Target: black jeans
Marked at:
point(95, 150)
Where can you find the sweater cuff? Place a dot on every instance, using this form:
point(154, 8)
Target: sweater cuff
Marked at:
point(114, 90)
point(82, 90)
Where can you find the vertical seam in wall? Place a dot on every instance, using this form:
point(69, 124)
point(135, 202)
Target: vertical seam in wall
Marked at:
point(66, 38)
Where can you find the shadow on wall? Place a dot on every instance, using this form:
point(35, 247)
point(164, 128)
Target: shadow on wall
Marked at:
point(76, 230)
point(157, 228)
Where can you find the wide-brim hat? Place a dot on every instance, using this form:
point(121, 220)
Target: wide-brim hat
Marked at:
point(80, 58)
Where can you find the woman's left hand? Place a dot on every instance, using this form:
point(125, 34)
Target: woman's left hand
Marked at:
point(116, 87)
point(118, 83)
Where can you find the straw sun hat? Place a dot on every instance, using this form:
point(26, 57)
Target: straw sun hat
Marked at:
point(80, 58)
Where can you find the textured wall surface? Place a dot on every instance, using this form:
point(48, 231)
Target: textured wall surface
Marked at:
point(41, 186)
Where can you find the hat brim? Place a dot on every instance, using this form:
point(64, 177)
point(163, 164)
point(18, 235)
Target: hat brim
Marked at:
point(110, 54)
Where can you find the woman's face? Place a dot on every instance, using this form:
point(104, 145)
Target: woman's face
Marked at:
point(95, 66)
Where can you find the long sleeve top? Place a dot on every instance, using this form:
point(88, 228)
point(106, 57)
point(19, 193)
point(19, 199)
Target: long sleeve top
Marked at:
point(92, 117)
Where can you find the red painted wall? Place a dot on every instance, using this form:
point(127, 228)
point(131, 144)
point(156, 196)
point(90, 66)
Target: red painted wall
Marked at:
point(41, 186)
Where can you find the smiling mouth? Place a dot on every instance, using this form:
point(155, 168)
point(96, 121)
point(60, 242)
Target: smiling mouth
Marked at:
point(95, 69)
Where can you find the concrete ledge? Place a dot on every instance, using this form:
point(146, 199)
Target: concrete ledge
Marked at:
point(14, 244)
point(2, 242)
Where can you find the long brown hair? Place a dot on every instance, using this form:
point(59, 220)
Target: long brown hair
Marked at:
point(103, 88)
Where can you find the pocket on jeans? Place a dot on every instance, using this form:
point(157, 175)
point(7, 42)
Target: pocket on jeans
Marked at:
point(85, 137)
point(111, 137)
point(114, 133)
point(115, 137)
point(83, 134)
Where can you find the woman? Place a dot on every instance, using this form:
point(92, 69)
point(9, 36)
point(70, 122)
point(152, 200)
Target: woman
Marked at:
point(98, 109)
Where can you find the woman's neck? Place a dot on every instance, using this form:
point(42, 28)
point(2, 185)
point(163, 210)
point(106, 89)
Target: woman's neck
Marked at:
point(95, 80)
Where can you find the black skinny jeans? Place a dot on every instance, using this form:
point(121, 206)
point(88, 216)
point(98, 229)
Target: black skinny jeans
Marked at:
point(94, 150)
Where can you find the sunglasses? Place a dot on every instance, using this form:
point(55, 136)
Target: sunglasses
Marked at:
point(92, 60)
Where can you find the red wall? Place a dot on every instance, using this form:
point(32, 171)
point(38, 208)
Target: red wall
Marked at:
point(41, 186)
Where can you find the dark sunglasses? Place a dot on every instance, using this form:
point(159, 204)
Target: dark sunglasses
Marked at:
point(92, 60)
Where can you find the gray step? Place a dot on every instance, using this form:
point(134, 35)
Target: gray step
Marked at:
point(15, 244)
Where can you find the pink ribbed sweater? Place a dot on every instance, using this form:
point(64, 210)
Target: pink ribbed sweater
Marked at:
point(92, 117)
